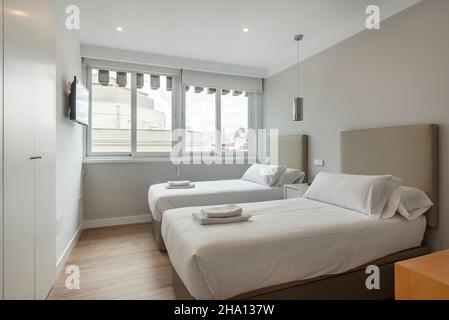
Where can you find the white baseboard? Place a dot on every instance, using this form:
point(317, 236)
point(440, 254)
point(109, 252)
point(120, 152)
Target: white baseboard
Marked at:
point(98, 223)
point(66, 253)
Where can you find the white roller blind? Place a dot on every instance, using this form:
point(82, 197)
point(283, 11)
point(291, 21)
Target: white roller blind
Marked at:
point(223, 81)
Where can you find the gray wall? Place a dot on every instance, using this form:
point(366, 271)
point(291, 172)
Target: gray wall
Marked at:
point(69, 141)
point(120, 189)
point(394, 76)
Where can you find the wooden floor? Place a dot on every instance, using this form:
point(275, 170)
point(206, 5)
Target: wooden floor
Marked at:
point(119, 262)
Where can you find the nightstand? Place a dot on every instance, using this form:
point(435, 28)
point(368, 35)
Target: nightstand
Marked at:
point(423, 278)
point(295, 190)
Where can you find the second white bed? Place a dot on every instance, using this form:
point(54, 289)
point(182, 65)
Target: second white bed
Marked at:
point(205, 193)
point(284, 241)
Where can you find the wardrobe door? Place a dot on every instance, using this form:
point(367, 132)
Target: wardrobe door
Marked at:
point(19, 101)
point(45, 144)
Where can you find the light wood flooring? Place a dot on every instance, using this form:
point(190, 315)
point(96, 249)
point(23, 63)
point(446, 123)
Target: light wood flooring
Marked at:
point(120, 262)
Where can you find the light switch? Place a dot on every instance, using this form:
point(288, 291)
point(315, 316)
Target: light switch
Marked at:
point(319, 162)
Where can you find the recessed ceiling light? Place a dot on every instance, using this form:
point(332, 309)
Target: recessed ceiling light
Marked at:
point(245, 30)
point(119, 29)
point(19, 13)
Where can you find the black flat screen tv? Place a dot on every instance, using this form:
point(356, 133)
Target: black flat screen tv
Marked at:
point(79, 103)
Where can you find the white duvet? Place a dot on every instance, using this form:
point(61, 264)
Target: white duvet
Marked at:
point(206, 193)
point(284, 241)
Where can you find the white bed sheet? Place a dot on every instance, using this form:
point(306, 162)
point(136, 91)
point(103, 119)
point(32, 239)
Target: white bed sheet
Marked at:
point(285, 241)
point(206, 193)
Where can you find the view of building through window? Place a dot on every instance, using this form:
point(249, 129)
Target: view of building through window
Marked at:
point(111, 111)
point(200, 119)
point(234, 121)
point(154, 113)
point(111, 115)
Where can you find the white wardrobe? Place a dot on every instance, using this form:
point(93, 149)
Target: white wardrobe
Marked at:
point(29, 137)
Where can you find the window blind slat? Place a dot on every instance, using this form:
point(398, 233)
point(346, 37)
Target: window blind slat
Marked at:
point(155, 82)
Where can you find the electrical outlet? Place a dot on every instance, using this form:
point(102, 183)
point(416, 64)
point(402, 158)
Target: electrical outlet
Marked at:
point(319, 162)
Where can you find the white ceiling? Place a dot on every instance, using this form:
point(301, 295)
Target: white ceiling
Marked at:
point(211, 30)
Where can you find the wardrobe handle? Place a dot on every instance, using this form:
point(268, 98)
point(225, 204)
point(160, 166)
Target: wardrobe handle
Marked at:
point(36, 158)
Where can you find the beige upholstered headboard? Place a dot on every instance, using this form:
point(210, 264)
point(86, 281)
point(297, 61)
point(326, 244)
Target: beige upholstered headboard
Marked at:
point(407, 152)
point(293, 152)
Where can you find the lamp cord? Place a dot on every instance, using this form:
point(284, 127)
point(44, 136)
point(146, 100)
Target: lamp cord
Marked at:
point(297, 68)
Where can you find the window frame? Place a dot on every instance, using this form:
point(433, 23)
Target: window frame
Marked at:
point(252, 109)
point(133, 154)
point(178, 118)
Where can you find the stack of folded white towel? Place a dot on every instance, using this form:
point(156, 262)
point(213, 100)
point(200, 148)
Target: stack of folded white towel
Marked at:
point(221, 214)
point(186, 184)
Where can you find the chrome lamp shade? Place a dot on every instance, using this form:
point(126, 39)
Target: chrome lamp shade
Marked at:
point(298, 109)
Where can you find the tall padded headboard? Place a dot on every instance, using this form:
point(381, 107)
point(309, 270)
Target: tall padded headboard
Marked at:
point(407, 152)
point(293, 152)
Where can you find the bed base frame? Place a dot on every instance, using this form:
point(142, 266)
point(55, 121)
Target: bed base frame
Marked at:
point(156, 226)
point(346, 286)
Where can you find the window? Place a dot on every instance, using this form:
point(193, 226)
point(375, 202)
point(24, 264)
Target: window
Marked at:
point(234, 121)
point(133, 113)
point(154, 113)
point(201, 114)
point(200, 119)
point(111, 111)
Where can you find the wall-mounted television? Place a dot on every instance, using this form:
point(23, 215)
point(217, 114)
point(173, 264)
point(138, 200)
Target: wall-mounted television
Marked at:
point(79, 103)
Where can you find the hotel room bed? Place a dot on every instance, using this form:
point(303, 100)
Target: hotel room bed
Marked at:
point(209, 193)
point(302, 249)
point(293, 153)
point(205, 193)
point(285, 241)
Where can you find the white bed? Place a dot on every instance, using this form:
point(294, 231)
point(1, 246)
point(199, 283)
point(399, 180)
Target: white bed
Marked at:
point(223, 261)
point(206, 193)
point(304, 249)
point(293, 153)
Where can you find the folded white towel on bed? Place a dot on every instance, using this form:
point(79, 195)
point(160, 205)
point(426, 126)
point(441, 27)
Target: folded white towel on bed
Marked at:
point(192, 185)
point(226, 211)
point(202, 219)
point(179, 183)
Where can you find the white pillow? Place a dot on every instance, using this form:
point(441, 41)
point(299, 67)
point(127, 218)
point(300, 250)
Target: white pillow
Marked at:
point(392, 205)
point(414, 203)
point(366, 194)
point(264, 174)
point(291, 176)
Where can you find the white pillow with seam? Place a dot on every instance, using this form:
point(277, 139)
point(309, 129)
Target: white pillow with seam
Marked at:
point(392, 205)
point(366, 194)
point(414, 203)
point(264, 174)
